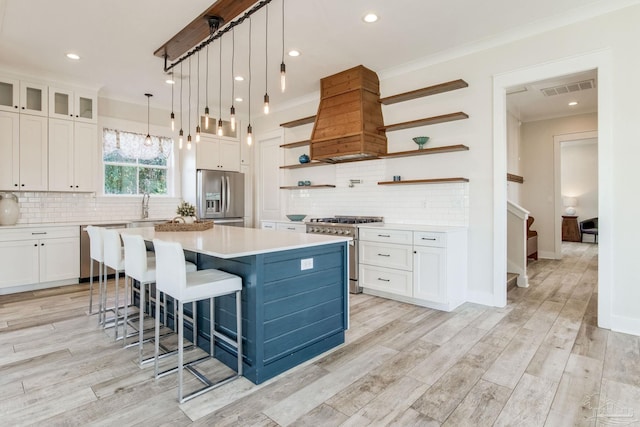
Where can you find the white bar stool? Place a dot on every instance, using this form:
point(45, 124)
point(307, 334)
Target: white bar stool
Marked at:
point(174, 281)
point(96, 252)
point(139, 265)
point(113, 257)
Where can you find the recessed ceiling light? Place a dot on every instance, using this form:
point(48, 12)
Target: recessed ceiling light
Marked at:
point(170, 81)
point(239, 78)
point(370, 17)
point(294, 53)
point(73, 56)
point(238, 99)
point(572, 103)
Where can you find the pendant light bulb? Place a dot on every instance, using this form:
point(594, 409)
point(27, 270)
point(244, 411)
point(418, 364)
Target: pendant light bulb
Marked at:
point(180, 139)
point(173, 122)
point(206, 117)
point(198, 133)
point(189, 142)
point(283, 77)
point(220, 127)
point(249, 135)
point(266, 103)
point(233, 118)
point(147, 141)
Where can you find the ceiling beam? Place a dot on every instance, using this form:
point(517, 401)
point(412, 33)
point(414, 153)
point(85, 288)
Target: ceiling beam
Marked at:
point(198, 29)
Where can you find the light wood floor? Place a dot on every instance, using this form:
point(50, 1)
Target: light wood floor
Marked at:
point(539, 361)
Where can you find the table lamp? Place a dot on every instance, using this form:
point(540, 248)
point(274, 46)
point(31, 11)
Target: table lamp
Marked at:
point(570, 204)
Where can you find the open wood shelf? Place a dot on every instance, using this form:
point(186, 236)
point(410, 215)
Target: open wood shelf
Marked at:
point(299, 122)
point(304, 143)
point(426, 121)
point(304, 187)
point(426, 91)
point(434, 150)
point(424, 181)
point(305, 165)
point(515, 178)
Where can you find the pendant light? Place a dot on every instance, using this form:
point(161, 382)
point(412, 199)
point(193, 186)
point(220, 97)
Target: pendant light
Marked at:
point(283, 68)
point(181, 133)
point(220, 90)
point(206, 108)
point(173, 116)
point(266, 60)
point(233, 80)
point(198, 103)
point(189, 106)
point(147, 140)
point(249, 130)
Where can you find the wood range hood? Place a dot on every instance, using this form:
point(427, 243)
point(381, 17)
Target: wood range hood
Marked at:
point(348, 118)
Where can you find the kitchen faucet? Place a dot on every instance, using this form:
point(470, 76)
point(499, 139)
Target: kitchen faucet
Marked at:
point(145, 205)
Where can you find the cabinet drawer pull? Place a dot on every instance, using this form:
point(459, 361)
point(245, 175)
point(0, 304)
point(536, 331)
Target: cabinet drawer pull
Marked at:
point(383, 280)
point(387, 255)
point(291, 228)
point(429, 238)
point(384, 235)
point(39, 232)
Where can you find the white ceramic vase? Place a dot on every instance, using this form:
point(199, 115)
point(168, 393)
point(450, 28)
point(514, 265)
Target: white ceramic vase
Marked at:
point(9, 209)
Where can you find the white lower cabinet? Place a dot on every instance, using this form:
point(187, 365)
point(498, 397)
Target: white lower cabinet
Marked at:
point(299, 227)
point(427, 268)
point(293, 228)
point(37, 256)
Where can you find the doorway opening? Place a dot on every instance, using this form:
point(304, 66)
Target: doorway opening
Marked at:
point(601, 62)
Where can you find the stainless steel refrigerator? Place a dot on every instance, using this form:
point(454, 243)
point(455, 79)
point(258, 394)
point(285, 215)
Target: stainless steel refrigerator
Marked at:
point(220, 196)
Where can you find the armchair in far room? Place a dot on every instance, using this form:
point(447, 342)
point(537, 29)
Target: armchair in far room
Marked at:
point(532, 240)
point(589, 226)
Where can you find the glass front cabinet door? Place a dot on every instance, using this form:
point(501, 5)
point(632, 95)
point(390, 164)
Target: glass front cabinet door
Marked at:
point(72, 105)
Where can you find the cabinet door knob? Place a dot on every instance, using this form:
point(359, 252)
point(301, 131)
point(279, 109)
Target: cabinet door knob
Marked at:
point(15, 106)
point(15, 185)
point(23, 108)
point(22, 185)
point(35, 245)
point(41, 244)
point(71, 186)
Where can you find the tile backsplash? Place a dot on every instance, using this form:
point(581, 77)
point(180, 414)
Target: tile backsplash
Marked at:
point(48, 207)
point(445, 204)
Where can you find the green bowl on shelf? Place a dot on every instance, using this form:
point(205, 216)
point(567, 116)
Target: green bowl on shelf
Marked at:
point(421, 140)
point(296, 217)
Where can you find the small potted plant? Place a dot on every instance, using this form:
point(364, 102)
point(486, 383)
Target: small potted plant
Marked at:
point(187, 211)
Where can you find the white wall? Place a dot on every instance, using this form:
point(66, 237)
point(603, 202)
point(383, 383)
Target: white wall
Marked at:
point(579, 174)
point(538, 193)
point(617, 34)
point(513, 158)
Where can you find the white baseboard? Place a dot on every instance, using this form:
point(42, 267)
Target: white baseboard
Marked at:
point(625, 325)
point(483, 298)
point(37, 286)
point(547, 255)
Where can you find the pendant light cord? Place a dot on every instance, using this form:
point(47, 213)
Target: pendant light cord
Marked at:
point(233, 59)
point(220, 82)
point(249, 71)
point(181, 95)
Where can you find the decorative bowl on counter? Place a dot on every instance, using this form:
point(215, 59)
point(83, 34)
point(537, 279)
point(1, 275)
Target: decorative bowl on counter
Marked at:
point(296, 217)
point(421, 140)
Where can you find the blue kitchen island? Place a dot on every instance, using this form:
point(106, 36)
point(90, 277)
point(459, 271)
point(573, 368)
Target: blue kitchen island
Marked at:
point(294, 296)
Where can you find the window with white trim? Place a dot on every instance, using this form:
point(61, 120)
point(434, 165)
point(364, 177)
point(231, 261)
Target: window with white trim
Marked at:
point(131, 167)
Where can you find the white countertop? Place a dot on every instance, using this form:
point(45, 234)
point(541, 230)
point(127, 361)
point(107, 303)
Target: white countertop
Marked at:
point(415, 227)
point(233, 242)
point(77, 223)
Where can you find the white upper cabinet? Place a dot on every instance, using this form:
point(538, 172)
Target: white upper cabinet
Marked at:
point(72, 105)
point(71, 155)
point(217, 154)
point(23, 96)
point(9, 150)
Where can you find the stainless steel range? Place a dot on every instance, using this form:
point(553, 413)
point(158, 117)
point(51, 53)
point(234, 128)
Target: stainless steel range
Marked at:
point(344, 226)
